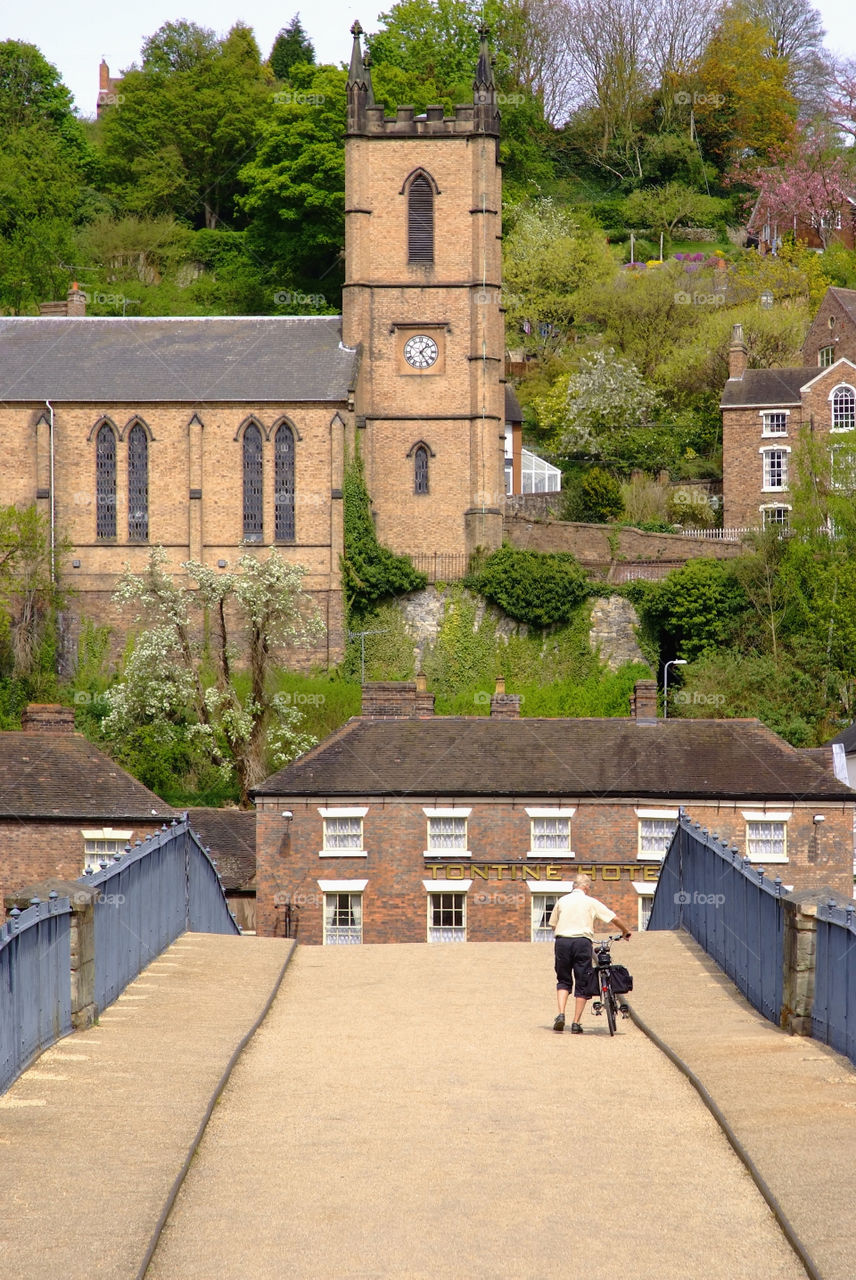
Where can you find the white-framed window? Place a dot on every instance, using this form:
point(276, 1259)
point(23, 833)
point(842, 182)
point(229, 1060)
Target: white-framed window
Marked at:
point(542, 908)
point(843, 409)
point(343, 833)
point(776, 518)
point(766, 836)
point(826, 357)
point(644, 902)
point(447, 832)
point(775, 462)
point(550, 833)
point(774, 422)
point(343, 919)
point(102, 843)
point(842, 468)
point(447, 915)
point(655, 831)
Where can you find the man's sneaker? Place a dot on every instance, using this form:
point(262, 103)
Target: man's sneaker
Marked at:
point(559, 1024)
point(576, 1029)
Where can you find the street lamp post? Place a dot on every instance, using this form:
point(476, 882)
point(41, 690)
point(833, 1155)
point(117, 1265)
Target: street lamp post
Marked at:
point(673, 662)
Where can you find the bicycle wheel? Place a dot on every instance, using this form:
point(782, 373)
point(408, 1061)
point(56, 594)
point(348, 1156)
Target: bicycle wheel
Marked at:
point(609, 1004)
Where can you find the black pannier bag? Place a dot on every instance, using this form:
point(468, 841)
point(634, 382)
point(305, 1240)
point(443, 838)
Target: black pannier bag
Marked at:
point(620, 980)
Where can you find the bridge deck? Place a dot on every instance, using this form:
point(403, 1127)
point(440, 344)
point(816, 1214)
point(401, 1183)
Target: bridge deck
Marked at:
point(406, 1111)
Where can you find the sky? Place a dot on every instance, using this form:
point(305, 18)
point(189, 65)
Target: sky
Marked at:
point(75, 38)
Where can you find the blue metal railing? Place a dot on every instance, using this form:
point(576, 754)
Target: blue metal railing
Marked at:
point(729, 906)
point(833, 1017)
point(147, 897)
point(35, 983)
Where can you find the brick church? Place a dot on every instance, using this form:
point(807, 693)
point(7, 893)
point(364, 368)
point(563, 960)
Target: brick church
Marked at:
point(210, 435)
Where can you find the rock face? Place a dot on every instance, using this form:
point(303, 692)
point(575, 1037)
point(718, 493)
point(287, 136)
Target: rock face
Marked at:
point(612, 633)
point(424, 611)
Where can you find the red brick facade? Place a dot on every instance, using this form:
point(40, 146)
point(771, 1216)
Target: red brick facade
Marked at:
point(500, 876)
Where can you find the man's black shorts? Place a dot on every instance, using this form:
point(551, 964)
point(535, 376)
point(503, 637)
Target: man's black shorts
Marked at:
point(574, 965)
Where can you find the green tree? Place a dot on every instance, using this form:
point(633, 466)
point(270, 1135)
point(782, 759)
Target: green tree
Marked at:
point(29, 595)
point(591, 410)
point(186, 124)
point(600, 493)
point(296, 182)
point(550, 255)
point(696, 608)
point(663, 208)
point(172, 681)
point(292, 45)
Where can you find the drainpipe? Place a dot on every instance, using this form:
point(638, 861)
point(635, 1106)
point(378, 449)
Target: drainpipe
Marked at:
point(49, 408)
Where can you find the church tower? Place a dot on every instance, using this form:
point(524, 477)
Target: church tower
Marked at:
point(422, 302)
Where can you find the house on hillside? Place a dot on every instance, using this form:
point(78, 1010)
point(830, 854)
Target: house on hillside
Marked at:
point(766, 232)
point(65, 805)
point(764, 410)
point(403, 826)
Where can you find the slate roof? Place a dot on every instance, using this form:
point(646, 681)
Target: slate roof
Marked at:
point(230, 837)
point(847, 738)
point(472, 756)
point(847, 298)
point(772, 387)
point(208, 358)
point(61, 775)
point(513, 411)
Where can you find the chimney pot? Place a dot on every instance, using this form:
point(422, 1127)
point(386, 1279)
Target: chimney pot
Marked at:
point(643, 702)
point(738, 355)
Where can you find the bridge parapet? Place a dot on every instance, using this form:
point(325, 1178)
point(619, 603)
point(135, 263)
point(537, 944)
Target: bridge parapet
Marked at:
point(77, 944)
point(793, 955)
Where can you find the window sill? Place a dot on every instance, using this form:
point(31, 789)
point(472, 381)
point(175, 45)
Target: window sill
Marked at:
point(342, 853)
point(449, 855)
point(550, 855)
point(772, 859)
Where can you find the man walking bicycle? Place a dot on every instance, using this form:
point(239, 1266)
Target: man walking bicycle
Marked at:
point(572, 921)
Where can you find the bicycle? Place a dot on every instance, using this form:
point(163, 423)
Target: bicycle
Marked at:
point(603, 973)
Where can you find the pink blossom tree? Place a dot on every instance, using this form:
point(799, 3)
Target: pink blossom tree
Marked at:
point(809, 186)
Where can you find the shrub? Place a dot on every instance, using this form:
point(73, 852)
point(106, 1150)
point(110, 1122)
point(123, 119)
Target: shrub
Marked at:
point(600, 495)
point(539, 589)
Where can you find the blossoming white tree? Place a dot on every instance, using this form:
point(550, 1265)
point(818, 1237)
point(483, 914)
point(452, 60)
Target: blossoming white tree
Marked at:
point(194, 643)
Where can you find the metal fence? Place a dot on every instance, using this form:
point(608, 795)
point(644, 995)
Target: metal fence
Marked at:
point(147, 897)
point(144, 899)
point(834, 1010)
point(730, 907)
point(441, 566)
point(35, 983)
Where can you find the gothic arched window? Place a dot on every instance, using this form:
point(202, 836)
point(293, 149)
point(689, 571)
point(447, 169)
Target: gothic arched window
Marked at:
point(420, 220)
point(105, 482)
point(253, 490)
point(138, 484)
point(283, 484)
point(420, 470)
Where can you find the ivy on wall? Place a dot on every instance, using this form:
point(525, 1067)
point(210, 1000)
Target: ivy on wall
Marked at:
point(370, 571)
point(538, 588)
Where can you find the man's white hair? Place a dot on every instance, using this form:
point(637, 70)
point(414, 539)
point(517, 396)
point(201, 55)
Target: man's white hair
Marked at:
point(582, 881)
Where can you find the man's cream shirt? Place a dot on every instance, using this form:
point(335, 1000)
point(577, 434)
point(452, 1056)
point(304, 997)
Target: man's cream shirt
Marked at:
point(574, 915)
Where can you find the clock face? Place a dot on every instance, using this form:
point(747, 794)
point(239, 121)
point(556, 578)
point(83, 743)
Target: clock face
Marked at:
point(421, 351)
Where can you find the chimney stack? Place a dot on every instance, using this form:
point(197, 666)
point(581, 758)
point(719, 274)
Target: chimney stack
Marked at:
point(643, 702)
point(397, 699)
point(76, 301)
point(738, 356)
point(504, 705)
point(47, 717)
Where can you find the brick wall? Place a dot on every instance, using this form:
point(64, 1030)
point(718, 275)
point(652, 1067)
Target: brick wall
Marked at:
point(604, 838)
point(36, 848)
point(592, 543)
point(840, 333)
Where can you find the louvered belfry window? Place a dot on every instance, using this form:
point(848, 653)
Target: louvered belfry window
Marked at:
point(253, 491)
point(105, 483)
point(420, 470)
point(420, 221)
point(138, 485)
point(283, 465)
